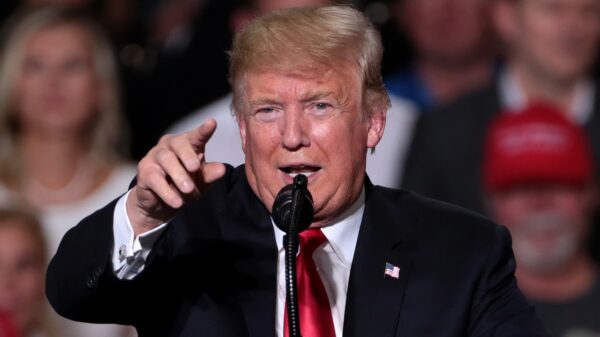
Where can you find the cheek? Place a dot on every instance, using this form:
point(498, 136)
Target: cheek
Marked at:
point(507, 211)
point(260, 141)
point(85, 91)
point(537, 29)
point(576, 208)
point(30, 286)
point(27, 92)
point(33, 285)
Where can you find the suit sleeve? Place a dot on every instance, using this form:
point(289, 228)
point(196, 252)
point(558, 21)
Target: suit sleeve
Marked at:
point(80, 282)
point(499, 308)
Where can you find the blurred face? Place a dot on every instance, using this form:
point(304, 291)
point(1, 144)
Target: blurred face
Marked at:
point(57, 91)
point(21, 275)
point(310, 123)
point(451, 30)
point(556, 38)
point(548, 223)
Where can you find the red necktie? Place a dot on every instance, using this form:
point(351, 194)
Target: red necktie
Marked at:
point(313, 304)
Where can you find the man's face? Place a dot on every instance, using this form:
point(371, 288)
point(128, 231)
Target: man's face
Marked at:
point(556, 38)
point(548, 222)
point(447, 30)
point(312, 123)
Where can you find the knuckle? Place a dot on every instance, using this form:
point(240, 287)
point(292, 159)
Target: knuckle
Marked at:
point(166, 139)
point(155, 179)
point(163, 156)
point(178, 141)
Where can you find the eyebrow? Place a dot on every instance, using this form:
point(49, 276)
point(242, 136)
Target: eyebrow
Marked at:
point(264, 101)
point(307, 97)
point(313, 96)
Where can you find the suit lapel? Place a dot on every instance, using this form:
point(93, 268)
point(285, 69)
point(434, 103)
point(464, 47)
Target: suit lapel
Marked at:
point(247, 225)
point(374, 300)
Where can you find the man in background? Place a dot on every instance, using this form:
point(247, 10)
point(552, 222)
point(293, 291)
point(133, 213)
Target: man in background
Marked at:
point(539, 181)
point(551, 47)
point(452, 42)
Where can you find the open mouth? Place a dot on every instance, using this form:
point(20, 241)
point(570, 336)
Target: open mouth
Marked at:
point(295, 170)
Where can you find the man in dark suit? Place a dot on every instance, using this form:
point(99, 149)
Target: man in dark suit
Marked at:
point(552, 45)
point(192, 250)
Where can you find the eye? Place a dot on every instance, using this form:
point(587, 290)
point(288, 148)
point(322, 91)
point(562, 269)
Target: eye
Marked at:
point(266, 113)
point(74, 65)
point(32, 65)
point(267, 110)
point(320, 108)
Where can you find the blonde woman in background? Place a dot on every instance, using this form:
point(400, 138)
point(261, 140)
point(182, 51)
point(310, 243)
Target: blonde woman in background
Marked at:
point(60, 126)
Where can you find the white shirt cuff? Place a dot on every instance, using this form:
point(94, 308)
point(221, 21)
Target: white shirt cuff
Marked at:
point(130, 252)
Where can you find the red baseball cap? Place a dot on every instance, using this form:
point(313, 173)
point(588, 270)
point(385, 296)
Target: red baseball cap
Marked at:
point(536, 144)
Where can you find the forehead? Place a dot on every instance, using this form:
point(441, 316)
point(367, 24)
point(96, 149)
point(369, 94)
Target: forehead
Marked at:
point(301, 82)
point(68, 36)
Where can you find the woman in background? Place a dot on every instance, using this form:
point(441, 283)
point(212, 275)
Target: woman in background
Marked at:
point(22, 269)
point(61, 126)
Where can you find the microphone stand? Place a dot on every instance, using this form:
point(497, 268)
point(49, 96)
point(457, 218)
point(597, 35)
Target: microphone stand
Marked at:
point(292, 212)
point(291, 249)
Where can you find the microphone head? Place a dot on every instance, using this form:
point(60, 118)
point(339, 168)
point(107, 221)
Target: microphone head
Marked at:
point(293, 194)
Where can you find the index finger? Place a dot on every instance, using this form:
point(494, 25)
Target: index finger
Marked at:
point(200, 135)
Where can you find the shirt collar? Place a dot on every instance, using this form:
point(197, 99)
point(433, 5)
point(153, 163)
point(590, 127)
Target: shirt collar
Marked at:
point(342, 234)
point(513, 97)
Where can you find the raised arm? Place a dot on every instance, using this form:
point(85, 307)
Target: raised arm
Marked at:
point(173, 172)
point(81, 283)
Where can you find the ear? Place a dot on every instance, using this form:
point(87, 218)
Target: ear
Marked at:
point(242, 126)
point(376, 123)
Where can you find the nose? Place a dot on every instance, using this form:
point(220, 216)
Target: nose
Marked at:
point(542, 198)
point(294, 129)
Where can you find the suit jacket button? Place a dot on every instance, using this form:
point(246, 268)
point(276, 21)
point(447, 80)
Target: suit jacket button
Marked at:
point(90, 283)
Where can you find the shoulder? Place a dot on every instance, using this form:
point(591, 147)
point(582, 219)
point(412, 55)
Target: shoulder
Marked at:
point(441, 226)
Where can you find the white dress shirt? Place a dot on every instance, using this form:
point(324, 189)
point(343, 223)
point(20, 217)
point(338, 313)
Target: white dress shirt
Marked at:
point(333, 259)
point(580, 110)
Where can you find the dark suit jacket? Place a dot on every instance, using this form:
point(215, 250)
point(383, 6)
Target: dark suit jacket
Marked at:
point(445, 158)
point(213, 271)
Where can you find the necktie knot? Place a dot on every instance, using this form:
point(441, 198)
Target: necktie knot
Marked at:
point(311, 239)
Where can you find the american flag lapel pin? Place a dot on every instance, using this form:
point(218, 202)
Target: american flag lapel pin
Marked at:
point(391, 271)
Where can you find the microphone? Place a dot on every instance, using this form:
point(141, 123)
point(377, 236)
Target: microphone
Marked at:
point(292, 212)
point(293, 206)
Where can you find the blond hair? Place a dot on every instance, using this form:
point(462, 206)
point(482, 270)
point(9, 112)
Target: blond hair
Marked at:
point(106, 132)
point(306, 39)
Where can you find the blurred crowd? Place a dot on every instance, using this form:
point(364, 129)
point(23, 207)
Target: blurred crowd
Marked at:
point(494, 107)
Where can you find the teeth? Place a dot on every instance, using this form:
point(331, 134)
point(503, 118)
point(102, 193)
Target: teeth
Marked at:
point(307, 174)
